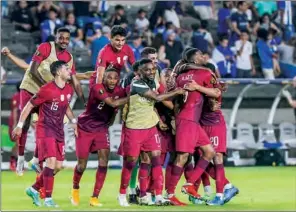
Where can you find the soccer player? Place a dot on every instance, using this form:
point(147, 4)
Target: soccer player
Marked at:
point(25, 66)
point(37, 75)
point(12, 122)
point(53, 101)
point(141, 133)
point(115, 54)
point(93, 134)
point(189, 133)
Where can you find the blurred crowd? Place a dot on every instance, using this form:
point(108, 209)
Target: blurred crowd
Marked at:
point(242, 39)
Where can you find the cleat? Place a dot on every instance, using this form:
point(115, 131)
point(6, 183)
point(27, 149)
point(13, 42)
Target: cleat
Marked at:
point(206, 198)
point(144, 200)
point(216, 201)
point(122, 200)
point(94, 201)
point(230, 193)
point(42, 193)
point(189, 189)
point(75, 197)
point(31, 192)
point(160, 201)
point(50, 203)
point(174, 201)
point(34, 166)
point(138, 191)
point(196, 201)
point(133, 199)
point(150, 199)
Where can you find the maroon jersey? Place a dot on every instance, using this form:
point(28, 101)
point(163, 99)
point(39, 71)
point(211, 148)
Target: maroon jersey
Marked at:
point(107, 56)
point(15, 102)
point(192, 107)
point(98, 114)
point(53, 102)
point(209, 117)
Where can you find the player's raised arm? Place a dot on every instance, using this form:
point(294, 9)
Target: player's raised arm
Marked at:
point(38, 57)
point(77, 87)
point(84, 76)
point(16, 60)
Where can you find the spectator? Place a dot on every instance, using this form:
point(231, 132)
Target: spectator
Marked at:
point(98, 43)
point(137, 46)
point(66, 7)
point(263, 7)
point(4, 8)
point(205, 9)
point(170, 15)
point(43, 10)
point(244, 61)
point(81, 12)
point(287, 57)
point(266, 24)
point(159, 26)
point(224, 58)
point(273, 42)
point(142, 22)
point(48, 26)
point(22, 17)
point(265, 54)
point(163, 62)
point(173, 49)
point(285, 19)
point(201, 38)
point(239, 21)
point(158, 41)
point(224, 18)
point(118, 17)
point(209, 60)
point(76, 32)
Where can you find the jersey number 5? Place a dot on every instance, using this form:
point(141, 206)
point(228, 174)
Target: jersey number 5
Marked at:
point(54, 106)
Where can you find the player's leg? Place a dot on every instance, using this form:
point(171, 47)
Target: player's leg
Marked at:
point(24, 98)
point(13, 158)
point(168, 169)
point(103, 158)
point(144, 180)
point(83, 144)
point(132, 185)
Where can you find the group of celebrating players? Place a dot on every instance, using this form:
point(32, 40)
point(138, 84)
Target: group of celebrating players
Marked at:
point(173, 113)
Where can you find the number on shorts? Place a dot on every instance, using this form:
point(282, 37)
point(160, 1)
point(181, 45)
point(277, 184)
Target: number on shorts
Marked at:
point(54, 106)
point(101, 105)
point(157, 138)
point(107, 136)
point(63, 150)
point(214, 140)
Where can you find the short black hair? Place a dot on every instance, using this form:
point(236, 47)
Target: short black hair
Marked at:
point(111, 69)
point(55, 66)
point(204, 24)
point(53, 10)
point(118, 30)
point(240, 3)
point(168, 24)
point(184, 52)
point(119, 7)
point(136, 66)
point(141, 11)
point(147, 50)
point(189, 54)
point(223, 37)
point(195, 26)
point(263, 34)
point(144, 61)
point(63, 29)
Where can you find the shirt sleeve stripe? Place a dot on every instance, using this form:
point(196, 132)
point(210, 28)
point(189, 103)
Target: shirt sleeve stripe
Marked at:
point(140, 86)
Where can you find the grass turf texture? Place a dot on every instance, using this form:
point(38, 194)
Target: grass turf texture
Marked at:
point(261, 188)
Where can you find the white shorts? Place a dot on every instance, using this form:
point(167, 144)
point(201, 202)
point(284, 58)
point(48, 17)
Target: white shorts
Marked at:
point(268, 73)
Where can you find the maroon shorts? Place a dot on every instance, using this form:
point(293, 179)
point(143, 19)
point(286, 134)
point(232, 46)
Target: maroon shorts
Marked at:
point(217, 135)
point(120, 148)
point(166, 139)
point(137, 140)
point(189, 135)
point(50, 147)
point(91, 142)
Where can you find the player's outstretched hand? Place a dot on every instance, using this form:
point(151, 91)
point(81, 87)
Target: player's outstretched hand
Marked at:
point(16, 133)
point(163, 126)
point(191, 86)
point(180, 91)
point(5, 51)
point(287, 94)
point(74, 126)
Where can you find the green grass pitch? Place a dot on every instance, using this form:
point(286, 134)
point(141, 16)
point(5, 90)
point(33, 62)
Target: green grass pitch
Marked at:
point(261, 188)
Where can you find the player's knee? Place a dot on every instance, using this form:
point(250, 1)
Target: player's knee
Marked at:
point(209, 153)
point(182, 158)
point(51, 162)
point(103, 162)
point(218, 159)
point(155, 153)
point(131, 159)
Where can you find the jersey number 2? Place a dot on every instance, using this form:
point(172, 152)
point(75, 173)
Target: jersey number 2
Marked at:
point(101, 105)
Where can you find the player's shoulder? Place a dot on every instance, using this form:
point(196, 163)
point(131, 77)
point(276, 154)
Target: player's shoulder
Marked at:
point(138, 82)
point(98, 87)
point(45, 45)
point(127, 47)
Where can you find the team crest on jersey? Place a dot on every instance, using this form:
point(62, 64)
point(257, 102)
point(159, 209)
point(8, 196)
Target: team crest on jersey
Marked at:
point(101, 91)
point(62, 97)
point(125, 58)
point(69, 97)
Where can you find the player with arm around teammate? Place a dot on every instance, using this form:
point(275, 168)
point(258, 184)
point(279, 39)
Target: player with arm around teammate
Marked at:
point(53, 101)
